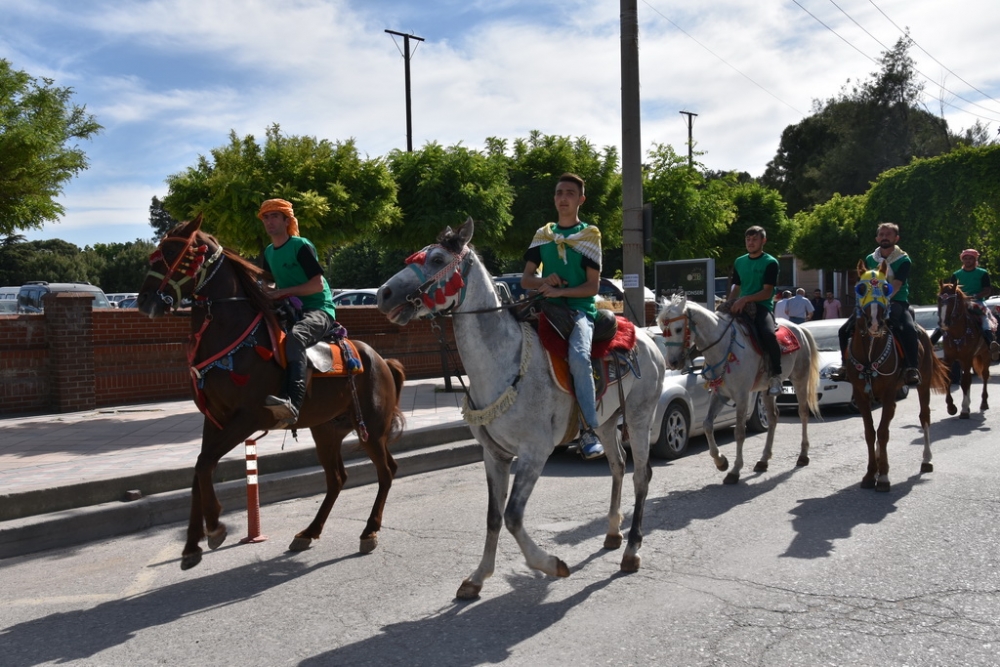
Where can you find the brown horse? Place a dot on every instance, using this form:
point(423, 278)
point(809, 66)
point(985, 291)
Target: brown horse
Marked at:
point(875, 369)
point(231, 324)
point(964, 343)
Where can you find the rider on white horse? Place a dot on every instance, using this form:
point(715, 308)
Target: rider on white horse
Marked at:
point(754, 276)
point(569, 253)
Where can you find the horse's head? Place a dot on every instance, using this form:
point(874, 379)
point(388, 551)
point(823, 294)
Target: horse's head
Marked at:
point(177, 268)
point(873, 291)
point(673, 322)
point(951, 303)
point(433, 280)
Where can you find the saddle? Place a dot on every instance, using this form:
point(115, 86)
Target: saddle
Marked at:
point(334, 356)
point(787, 341)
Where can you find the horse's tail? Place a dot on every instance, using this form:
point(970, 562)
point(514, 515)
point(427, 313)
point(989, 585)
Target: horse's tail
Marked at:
point(940, 374)
point(398, 378)
point(812, 384)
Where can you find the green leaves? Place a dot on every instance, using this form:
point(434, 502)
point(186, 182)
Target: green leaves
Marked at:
point(37, 125)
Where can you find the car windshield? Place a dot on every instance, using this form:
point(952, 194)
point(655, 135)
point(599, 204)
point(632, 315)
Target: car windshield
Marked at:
point(826, 337)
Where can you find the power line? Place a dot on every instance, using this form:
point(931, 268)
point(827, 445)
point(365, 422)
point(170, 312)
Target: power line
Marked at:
point(930, 56)
point(721, 59)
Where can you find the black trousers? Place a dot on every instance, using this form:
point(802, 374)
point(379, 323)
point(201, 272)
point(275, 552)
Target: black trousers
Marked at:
point(764, 322)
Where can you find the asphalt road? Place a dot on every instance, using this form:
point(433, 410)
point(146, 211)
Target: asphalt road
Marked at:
point(790, 567)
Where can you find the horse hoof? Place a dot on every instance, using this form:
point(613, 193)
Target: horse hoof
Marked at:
point(300, 543)
point(964, 415)
point(760, 467)
point(190, 560)
point(562, 570)
point(722, 464)
point(868, 483)
point(731, 478)
point(926, 467)
point(216, 537)
point(612, 542)
point(368, 544)
point(468, 591)
point(952, 409)
point(882, 485)
point(631, 563)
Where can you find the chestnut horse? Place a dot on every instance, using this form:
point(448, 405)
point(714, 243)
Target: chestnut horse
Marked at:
point(963, 342)
point(231, 324)
point(875, 369)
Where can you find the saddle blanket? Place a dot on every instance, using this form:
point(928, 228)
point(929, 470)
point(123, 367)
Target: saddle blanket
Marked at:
point(327, 358)
point(786, 339)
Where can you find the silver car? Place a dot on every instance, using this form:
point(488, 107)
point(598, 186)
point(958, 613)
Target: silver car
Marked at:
point(683, 406)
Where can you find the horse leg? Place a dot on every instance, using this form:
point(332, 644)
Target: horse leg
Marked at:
point(385, 468)
point(803, 459)
point(952, 408)
point(741, 433)
point(328, 438)
point(608, 433)
point(966, 391)
point(215, 444)
point(529, 469)
point(772, 424)
point(924, 395)
point(642, 473)
point(888, 411)
point(715, 404)
point(497, 479)
point(984, 374)
point(865, 407)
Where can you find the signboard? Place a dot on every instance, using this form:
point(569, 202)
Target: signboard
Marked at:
point(696, 277)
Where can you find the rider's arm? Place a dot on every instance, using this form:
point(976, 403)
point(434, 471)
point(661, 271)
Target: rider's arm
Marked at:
point(530, 279)
point(987, 288)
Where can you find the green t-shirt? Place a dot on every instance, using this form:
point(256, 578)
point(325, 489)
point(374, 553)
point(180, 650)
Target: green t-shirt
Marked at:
point(972, 282)
point(572, 271)
point(752, 273)
point(295, 263)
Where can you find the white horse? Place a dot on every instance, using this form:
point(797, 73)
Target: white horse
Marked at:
point(514, 407)
point(737, 370)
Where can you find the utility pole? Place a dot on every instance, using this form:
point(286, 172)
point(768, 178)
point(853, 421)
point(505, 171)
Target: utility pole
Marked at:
point(406, 65)
point(633, 273)
point(690, 116)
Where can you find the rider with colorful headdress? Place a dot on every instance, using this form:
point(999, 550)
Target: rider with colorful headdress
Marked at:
point(899, 317)
point(294, 264)
point(975, 283)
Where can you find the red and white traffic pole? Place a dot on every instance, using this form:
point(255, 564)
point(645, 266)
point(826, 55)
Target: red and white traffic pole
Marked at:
point(253, 495)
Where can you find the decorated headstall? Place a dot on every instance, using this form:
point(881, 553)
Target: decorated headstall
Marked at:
point(191, 263)
point(445, 289)
point(872, 289)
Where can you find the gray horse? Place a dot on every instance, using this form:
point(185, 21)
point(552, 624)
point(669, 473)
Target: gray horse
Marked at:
point(734, 367)
point(514, 407)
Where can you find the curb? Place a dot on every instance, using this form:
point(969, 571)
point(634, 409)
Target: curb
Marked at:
point(79, 525)
point(56, 499)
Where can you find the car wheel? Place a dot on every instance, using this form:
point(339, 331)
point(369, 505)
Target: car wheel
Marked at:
point(675, 431)
point(903, 392)
point(758, 421)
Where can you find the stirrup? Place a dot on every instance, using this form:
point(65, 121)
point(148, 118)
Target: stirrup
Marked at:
point(282, 410)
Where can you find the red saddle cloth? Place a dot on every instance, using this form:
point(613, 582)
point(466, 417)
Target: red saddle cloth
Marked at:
point(786, 340)
point(558, 346)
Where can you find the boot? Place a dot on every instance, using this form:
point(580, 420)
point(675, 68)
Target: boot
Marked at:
point(286, 406)
point(994, 346)
point(936, 336)
point(911, 376)
point(839, 374)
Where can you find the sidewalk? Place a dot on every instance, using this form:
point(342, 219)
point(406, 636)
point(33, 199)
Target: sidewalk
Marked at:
point(53, 464)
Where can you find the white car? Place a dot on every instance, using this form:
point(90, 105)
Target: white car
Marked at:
point(831, 392)
point(367, 296)
point(684, 403)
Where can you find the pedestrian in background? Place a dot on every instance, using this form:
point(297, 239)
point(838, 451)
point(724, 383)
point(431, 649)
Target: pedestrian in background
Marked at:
point(781, 304)
point(817, 302)
point(798, 309)
point(831, 307)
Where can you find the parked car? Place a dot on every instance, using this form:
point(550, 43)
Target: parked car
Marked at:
point(8, 306)
point(512, 281)
point(116, 298)
point(830, 392)
point(9, 293)
point(29, 297)
point(683, 406)
point(356, 297)
point(130, 302)
point(611, 290)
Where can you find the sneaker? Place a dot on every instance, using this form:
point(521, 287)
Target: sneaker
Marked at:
point(911, 376)
point(282, 409)
point(774, 385)
point(994, 351)
point(590, 446)
point(839, 374)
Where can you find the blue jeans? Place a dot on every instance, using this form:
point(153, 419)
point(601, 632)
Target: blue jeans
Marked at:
point(580, 341)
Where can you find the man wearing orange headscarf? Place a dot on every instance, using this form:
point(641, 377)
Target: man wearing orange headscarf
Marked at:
point(294, 263)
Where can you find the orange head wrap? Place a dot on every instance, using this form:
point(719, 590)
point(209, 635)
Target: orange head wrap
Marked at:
point(284, 207)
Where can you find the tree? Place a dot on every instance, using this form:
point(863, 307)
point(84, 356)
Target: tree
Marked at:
point(363, 264)
point(852, 138)
point(534, 164)
point(827, 237)
point(338, 196)
point(119, 267)
point(755, 204)
point(161, 221)
point(38, 128)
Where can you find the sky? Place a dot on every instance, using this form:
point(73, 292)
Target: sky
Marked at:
point(170, 79)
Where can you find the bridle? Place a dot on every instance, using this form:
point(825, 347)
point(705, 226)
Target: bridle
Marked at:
point(190, 264)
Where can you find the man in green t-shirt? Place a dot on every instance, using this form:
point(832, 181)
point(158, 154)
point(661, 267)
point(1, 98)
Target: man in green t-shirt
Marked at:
point(975, 283)
point(754, 276)
point(294, 264)
point(569, 254)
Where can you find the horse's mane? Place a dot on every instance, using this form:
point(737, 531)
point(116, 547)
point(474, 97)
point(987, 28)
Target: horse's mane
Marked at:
point(249, 276)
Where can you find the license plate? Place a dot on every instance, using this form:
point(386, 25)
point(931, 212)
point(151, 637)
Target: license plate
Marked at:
point(787, 390)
